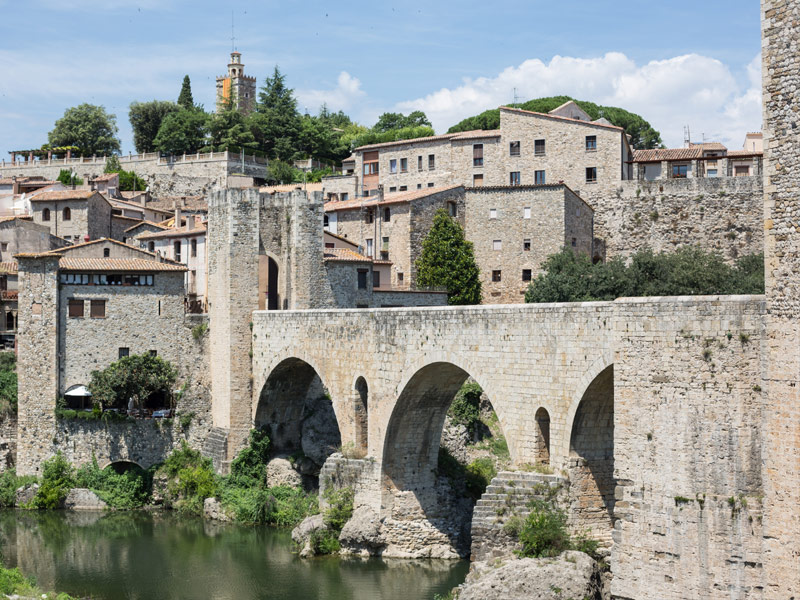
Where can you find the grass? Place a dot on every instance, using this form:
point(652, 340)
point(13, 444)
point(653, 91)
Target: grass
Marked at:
point(13, 582)
point(9, 483)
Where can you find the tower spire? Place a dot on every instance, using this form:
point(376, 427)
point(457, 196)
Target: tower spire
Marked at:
point(233, 35)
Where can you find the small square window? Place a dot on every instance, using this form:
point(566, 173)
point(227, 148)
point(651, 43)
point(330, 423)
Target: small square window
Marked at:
point(539, 177)
point(430, 185)
point(591, 174)
point(497, 245)
point(75, 308)
point(98, 308)
point(526, 245)
point(419, 186)
point(526, 212)
point(153, 352)
point(393, 189)
point(492, 213)
point(123, 352)
point(403, 188)
point(538, 147)
point(496, 275)
point(526, 274)
point(477, 180)
point(513, 149)
point(591, 143)
point(393, 166)
point(515, 178)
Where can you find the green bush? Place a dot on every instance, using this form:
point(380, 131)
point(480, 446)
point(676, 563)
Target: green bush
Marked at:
point(248, 505)
point(9, 483)
point(137, 376)
point(8, 383)
point(191, 480)
point(479, 473)
point(340, 508)
point(291, 505)
point(11, 580)
point(127, 490)
point(466, 406)
point(544, 532)
point(249, 468)
point(325, 541)
point(57, 480)
point(472, 478)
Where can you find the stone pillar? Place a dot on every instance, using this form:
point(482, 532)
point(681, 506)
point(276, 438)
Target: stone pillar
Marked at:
point(665, 174)
point(37, 361)
point(780, 20)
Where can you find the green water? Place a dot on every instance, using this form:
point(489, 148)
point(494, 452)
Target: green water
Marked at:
point(160, 555)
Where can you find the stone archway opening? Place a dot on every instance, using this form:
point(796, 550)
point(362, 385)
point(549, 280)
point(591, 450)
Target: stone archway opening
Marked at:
point(297, 412)
point(361, 415)
point(542, 436)
point(268, 283)
point(591, 463)
point(121, 467)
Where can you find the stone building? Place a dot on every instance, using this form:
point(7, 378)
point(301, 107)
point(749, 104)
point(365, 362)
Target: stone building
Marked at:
point(8, 304)
point(698, 160)
point(74, 215)
point(236, 88)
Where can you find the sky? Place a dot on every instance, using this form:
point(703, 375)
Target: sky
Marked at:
point(677, 64)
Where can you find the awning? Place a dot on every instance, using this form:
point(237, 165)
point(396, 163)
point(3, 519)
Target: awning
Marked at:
point(80, 390)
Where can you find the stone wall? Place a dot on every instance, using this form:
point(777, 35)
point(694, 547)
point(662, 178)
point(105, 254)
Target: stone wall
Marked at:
point(88, 217)
point(687, 448)
point(8, 442)
point(781, 423)
point(720, 214)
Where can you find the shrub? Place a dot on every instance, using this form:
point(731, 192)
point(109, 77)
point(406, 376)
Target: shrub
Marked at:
point(544, 532)
point(8, 383)
point(57, 480)
point(291, 505)
point(249, 468)
point(11, 580)
point(325, 541)
point(465, 408)
point(137, 376)
point(198, 331)
point(191, 480)
point(479, 473)
point(340, 507)
point(472, 478)
point(130, 489)
point(9, 483)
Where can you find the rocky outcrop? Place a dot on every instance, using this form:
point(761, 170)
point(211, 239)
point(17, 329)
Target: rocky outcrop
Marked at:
point(213, 509)
point(301, 535)
point(25, 494)
point(361, 535)
point(83, 499)
point(570, 575)
point(281, 472)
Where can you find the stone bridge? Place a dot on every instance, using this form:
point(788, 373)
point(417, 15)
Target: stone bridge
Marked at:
point(639, 401)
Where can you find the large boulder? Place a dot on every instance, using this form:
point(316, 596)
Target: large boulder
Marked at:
point(361, 535)
point(24, 495)
point(83, 499)
point(301, 535)
point(213, 509)
point(281, 472)
point(160, 483)
point(570, 575)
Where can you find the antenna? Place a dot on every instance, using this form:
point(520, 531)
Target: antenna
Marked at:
point(687, 136)
point(233, 35)
point(516, 98)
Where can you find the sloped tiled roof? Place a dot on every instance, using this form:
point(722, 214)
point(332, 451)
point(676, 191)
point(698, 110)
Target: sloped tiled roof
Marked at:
point(8, 267)
point(560, 118)
point(184, 231)
point(743, 153)
point(716, 146)
point(64, 195)
point(145, 222)
point(659, 154)
point(117, 265)
point(395, 198)
point(15, 217)
point(344, 255)
point(105, 177)
point(67, 249)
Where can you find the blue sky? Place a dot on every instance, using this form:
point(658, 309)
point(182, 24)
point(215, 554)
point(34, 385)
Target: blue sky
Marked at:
point(683, 63)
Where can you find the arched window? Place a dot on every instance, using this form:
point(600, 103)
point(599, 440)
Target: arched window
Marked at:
point(66, 214)
point(46, 214)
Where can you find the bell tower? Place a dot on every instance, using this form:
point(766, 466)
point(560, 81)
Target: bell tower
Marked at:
point(236, 87)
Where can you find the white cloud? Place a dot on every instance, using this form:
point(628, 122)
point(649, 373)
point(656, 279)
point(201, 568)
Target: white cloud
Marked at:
point(344, 96)
point(689, 90)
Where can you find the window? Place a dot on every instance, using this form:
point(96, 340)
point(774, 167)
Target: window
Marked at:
point(526, 245)
point(526, 274)
point(574, 242)
point(403, 188)
point(492, 213)
point(513, 149)
point(538, 147)
point(430, 184)
point(176, 247)
point(46, 214)
point(477, 180)
point(591, 174)
point(4, 246)
point(515, 178)
point(66, 214)
point(194, 247)
point(75, 308)
point(419, 186)
point(325, 221)
point(452, 209)
point(496, 276)
point(678, 171)
point(477, 155)
point(106, 252)
point(387, 215)
point(739, 171)
point(371, 168)
point(711, 173)
point(591, 143)
point(151, 246)
point(526, 212)
point(370, 216)
point(153, 353)
point(362, 279)
point(404, 165)
point(98, 309)
point(400, 277)
point(330, 245)
point(393, 189)
point(539, 177)
point(497, 245)
point(369, 247)
point(376, 279)
point(393, 166)
point(344, 196)
point(123, 352)
point(431, 162)
point(419, 163)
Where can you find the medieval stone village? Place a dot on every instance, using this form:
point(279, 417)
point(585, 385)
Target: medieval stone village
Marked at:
point(541, 355)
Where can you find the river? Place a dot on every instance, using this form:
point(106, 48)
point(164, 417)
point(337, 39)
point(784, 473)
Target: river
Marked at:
point(147, 556)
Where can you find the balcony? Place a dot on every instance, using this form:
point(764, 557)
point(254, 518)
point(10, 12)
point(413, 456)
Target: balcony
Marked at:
point(9, 295)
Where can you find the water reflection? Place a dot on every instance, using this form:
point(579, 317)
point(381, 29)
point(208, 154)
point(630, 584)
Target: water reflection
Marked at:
point(158, 555)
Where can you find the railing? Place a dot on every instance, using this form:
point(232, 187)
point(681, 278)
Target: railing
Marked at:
point(147, 157)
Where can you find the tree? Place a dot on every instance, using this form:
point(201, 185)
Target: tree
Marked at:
point(282, 172)
point(390, 121)
point(448, 261)
point(182, 131)
point(136, 377)
point(146, 119)
point(89, 128)
point(185, 99)
point(276, 123)
point(229, 130)
point(65, 176)
point(128, 180)
point(8, 383)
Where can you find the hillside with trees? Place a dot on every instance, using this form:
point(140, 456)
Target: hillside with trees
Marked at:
point(643, 136)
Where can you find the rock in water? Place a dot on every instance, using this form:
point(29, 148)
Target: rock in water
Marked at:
point(25, 494)
point(361, 534)
point(570, 575)
point(301, 535)
point(83, 499)
point(212, 509)
point(281, 472)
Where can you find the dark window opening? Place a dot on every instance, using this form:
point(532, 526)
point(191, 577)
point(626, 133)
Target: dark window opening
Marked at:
point(538, 147)
point(376, 279)
point(362, 279)
point(46, 214)
point(526, 245)
point(526, 274)
point(75, 308)
point(123, 352)
point(513, 149)
point(194, 247)
point(591, 142)
point(477, 155)
point(106, 252)
point(66, 214)
point(496, 275)
point(591, 174)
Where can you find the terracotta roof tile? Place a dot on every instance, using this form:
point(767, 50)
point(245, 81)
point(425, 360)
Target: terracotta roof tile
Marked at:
point(105, 177)
point(477, 134)
point(743, 153)
point(117, 265)
point(559, 118)
point(660, 154)
point(708, 146)
point(420, 140)
point(14, 218)
point(172, 233)
point(395, 198)
point(145, 222)
point(344, 255)
point(8, 267)
point(127, 204)
point(290, 187)
point(64, 195)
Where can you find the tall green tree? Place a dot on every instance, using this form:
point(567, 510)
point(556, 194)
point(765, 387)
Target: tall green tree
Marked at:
point(185, 99)
point(390, 121)
point(146, 119)
point(88, 127)
point(136, 377)
point(182, 131)
point(229, 130)
point(276, 122)
point(448, 261)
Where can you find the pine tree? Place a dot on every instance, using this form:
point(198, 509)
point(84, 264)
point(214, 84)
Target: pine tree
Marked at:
point(276, 123)
point(185, 99)
point(448, 261)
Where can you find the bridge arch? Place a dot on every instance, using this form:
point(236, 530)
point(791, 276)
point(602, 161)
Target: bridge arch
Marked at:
point(121, 465)
point(297, 411)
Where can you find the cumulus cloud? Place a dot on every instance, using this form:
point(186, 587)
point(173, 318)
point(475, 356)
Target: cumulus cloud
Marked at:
point(692, 90)
point(344, 96)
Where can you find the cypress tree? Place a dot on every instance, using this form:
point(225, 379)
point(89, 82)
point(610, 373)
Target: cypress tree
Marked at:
point(185, 99)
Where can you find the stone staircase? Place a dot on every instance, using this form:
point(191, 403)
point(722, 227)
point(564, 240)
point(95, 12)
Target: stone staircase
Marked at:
point(215, 447)
point(508, 496)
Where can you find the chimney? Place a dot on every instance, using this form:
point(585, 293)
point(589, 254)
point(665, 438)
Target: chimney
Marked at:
point(177, 215)
point(190, 222)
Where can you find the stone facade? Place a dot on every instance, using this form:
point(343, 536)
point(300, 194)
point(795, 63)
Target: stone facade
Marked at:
point(514, 229)
point(781, 422)
point(8, 442)
point(73, 215)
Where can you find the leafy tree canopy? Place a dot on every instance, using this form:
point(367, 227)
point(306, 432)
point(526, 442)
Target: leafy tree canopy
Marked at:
point(88, 127)
point(146, 119)
point(448, 261)
point(65, 177)
point(182, 131)
point(276, 122)
point(642, 133)
point(128, 180)
point(185, 99)
point(138, 376)
point(390, 121)
point(229, 129)
point(571, 277)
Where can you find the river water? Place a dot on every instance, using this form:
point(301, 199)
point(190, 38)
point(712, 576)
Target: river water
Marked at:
point(147, 556)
